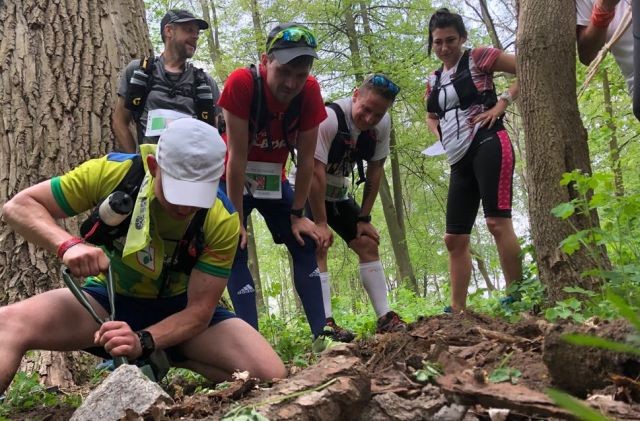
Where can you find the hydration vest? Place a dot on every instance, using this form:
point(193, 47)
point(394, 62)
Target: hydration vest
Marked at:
point(466, 90)
point(260, 118)
point(344, 151)
point(142, 82)
point(188, 249)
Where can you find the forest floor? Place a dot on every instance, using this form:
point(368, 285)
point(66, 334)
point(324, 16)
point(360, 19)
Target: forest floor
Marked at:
point(445, 367)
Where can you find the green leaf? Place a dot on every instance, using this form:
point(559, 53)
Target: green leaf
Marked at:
point(577, 408)
point(564, 210)
point(505, 374)
point(586, 340)
point(624, 310)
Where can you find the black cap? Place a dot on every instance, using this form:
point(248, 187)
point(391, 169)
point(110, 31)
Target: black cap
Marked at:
point(181, 16)
point(286, 50)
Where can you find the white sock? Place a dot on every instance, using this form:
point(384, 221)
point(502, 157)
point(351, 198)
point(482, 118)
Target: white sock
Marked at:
point(373, 281)
point(326, 294)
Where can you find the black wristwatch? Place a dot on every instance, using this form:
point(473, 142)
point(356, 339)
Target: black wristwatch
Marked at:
point(297, 212)
point(146, 343)
point(364, 218)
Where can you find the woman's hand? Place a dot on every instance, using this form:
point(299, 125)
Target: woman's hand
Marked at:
point(488, 118)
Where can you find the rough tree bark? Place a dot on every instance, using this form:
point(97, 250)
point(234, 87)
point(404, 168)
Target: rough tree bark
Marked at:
point(59, 64)
point(556, 141)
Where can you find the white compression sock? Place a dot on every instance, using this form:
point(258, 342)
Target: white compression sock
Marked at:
point(326, 293)
point(373, 281)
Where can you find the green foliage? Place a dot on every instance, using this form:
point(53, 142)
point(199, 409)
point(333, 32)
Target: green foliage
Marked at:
point(429, 372)
point(503, 373)
point(26, 393)
point(574, 406)
point(242, 413)
point(290, 338)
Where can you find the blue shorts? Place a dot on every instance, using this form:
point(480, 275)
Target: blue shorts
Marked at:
point(141, 313)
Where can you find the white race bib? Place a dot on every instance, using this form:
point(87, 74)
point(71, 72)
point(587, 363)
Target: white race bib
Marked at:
point(337, 188)
point(158, 121)
point(262, 180)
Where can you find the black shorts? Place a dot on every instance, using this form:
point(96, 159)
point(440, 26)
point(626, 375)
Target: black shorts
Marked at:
point(140, 313)
point(342, 217)
point(484, 173)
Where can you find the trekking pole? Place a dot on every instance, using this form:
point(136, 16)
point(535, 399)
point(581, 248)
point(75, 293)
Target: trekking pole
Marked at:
point(77, 292)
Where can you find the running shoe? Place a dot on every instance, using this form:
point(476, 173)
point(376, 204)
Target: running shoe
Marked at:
point(391, 322)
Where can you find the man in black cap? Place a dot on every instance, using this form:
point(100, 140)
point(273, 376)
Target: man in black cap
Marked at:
point(268, 111)
point(154, 91)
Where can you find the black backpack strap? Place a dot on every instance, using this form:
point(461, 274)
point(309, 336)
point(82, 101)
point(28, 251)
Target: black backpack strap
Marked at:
point(347, 147)
point(92, 230)
point(203, 97)
point(291, 122)
point(257, 116)
point(139, 87)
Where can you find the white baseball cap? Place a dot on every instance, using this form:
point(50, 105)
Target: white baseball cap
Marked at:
point(191, 155)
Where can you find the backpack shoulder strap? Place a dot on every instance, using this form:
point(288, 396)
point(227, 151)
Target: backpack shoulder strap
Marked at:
point(130, 184)
point(343, 129)
point(139, 86)
point(257, 116)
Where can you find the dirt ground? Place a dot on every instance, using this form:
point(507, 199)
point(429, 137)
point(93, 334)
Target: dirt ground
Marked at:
point(385, 377)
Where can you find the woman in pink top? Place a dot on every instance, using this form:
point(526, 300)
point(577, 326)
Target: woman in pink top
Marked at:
point(465, 113)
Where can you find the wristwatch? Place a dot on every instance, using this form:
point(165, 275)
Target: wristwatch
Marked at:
point(297, 212)
point(146, 343)
point(364, 218)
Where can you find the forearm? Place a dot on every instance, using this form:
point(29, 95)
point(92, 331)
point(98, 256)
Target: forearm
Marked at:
point(371, 186)
point(305, 168)
point(317, 195)
point(236, 167)
point(120, 125)
point(432, 124)
point(592, 37)
point(203, 297)
point(33, 221)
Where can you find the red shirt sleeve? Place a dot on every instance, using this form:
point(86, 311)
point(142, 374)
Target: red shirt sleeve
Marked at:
point(313, 112)
point(485, 57)
point(237, 88)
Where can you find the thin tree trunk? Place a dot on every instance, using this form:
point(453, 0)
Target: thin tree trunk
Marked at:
point(556, 141)
point(258, 32)
point(393, 209)
point(614, 149)
point(58, 80)
point(482, 268)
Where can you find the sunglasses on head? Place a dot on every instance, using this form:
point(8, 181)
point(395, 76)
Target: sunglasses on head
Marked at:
point(295, 34)
point(383, 82)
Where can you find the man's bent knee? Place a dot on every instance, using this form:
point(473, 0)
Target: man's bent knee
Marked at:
point(365, 247)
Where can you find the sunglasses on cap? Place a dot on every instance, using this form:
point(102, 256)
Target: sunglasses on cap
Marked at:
point(295, 34)
point(382, 81)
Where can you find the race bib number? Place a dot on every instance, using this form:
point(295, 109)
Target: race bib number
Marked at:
point(158, 121)
point(337, 187)
point(262, 180)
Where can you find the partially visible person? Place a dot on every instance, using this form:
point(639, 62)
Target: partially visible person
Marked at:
point(465, 114)
point(357, 130)
point(268, 112)
point(170, 265)
point(156, 90)
point(597, 21)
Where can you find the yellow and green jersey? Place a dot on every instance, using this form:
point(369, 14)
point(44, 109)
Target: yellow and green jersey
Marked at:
point(142, 273)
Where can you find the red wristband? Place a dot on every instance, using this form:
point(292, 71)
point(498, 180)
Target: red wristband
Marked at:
point(73, 241)
point(600, 18)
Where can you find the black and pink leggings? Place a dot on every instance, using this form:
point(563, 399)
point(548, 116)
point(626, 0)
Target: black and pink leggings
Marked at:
point(484, 172)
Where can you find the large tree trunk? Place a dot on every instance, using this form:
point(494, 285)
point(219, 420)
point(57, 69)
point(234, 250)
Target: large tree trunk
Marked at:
point(556, 141)
point(59, 64)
